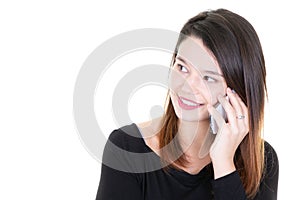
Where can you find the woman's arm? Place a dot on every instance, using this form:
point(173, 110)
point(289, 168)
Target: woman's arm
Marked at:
point(230, 186)
point(118, 180)
point(118, 185)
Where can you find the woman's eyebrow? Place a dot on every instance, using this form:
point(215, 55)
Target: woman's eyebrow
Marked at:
point(213, 72)
point(181, 59)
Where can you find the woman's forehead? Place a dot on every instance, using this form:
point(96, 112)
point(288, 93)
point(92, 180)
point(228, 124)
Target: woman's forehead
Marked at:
point(193, 51)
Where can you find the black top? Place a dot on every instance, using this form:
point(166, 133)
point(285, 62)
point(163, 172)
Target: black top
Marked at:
point(126, 176)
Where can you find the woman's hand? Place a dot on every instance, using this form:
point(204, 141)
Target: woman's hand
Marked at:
point(230, 134)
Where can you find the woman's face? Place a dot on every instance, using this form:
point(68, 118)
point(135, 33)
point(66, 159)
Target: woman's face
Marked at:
point(195, 80)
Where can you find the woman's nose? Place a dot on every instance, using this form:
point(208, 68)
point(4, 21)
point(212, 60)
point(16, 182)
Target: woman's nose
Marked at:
point(193, 84)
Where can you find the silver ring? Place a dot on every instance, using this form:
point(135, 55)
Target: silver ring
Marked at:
point(240, 116)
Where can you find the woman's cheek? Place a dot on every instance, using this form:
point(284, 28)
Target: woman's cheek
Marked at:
point(214, 90)
point(175, 81)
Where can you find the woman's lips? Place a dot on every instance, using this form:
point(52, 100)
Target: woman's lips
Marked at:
point(188, 104)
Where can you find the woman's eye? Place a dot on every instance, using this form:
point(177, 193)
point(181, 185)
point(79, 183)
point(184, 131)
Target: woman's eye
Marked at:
point(209, 79)
point(182, 68)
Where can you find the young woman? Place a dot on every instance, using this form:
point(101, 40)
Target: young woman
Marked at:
point(218, 60)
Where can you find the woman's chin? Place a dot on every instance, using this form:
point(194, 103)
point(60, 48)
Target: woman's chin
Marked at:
point(192, 118)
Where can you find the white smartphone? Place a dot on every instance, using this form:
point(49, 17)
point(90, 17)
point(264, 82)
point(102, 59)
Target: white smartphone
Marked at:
point(213, 124)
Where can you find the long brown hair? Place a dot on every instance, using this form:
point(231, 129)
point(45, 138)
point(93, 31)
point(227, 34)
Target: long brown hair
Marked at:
point(236, 46)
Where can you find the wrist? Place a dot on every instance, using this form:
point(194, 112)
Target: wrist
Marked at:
point(223, 168)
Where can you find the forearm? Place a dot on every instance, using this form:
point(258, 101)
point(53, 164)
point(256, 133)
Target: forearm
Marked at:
point(229, 187)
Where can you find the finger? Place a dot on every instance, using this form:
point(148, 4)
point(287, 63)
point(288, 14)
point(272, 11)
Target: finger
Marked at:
point(240, 108)
point(231, 115)
point(235, 102)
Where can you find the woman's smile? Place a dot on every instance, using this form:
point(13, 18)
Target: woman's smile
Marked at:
point(188, 104)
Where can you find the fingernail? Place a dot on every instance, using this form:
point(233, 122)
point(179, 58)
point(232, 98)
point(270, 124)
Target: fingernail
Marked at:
point(231, 90)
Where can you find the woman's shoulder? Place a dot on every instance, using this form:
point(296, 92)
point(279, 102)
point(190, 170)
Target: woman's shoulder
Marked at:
point(271, 160)
point(128, 137)
point(126, 151)
point(269, 182)
point(138, 136)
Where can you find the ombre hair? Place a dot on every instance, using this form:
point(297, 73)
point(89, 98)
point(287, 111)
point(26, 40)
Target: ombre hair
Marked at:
point(236, 47)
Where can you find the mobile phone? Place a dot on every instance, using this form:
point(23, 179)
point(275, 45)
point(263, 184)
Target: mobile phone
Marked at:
point(213, 124)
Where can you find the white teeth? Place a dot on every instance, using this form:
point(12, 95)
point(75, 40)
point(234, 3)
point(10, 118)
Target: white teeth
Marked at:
point(188, 102)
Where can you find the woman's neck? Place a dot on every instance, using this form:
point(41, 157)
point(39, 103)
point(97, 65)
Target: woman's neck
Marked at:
point(191, 136)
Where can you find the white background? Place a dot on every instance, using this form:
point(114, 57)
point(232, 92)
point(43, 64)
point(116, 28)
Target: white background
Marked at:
point(42, 47)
